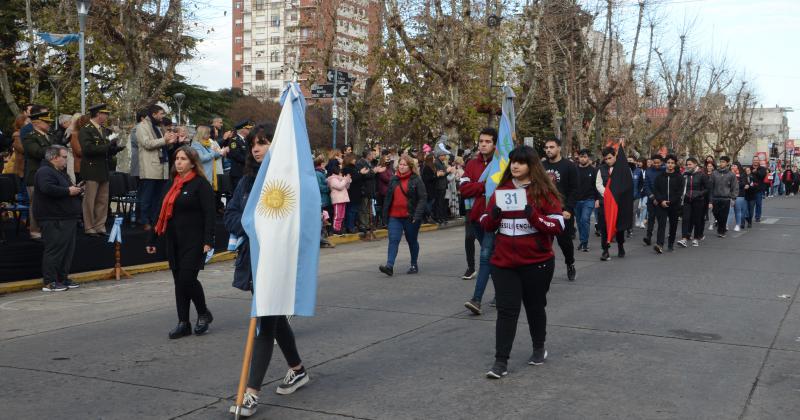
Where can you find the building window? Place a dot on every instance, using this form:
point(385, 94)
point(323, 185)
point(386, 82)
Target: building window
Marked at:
point(275, 74)
point(238, 74)
point(248, 68)
point(274, 92)
point(237, 57)
point(258, 4)
point(238, 40)
point(276, 21)
point(238, 22)
point(293, 17)
point(275, 40)
point(238, 5)
point(261, 42)
point(259, 74)
point(275, 57)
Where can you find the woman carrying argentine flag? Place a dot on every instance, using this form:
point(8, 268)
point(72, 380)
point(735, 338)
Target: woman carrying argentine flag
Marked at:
point(271, 328)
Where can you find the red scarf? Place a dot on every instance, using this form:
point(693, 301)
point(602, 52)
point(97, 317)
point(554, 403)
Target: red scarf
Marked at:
point(169, 201)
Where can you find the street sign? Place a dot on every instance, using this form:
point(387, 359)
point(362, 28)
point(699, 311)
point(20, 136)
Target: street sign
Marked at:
point(322, 91)
point(341, 77)
point(326, 91)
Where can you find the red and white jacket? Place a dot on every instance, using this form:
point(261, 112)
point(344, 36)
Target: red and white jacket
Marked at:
point(522, 240)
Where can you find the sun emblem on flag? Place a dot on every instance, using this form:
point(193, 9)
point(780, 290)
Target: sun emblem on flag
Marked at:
point(277, 200)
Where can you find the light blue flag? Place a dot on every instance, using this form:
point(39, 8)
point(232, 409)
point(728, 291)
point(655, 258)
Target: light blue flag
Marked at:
point(58, 40)
point(116, 231)
point(505, 144)
point(283, 220)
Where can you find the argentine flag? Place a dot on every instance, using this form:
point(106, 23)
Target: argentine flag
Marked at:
point(505, 144)
point(282, 218)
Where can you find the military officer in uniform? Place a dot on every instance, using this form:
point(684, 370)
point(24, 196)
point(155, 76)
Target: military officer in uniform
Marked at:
point(35, 143)
point(96, 149)
point(238, 151)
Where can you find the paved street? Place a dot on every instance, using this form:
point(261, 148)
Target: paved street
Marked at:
point(699, 333)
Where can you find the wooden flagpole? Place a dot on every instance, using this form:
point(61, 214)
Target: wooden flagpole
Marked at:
point(248, 354)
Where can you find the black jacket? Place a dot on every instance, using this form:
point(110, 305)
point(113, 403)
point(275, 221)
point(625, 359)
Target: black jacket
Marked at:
point(668, 187)
point(697, 185)
point(758, 177)
point(586, 183)
point(368, 180)
point(51, 194)
point(416, 196)
point(355, 191)
point(191, 226)
point(243, 272)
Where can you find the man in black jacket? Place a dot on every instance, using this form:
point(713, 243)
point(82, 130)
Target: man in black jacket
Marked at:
point(695, 193)
point(58, 211)
point(759, 173)
point(586, 198)
point(666, 195)
point(565, 176)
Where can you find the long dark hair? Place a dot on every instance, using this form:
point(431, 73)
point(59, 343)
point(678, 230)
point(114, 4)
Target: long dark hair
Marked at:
point(257, 136)
point(193, 157)
point(541, 188)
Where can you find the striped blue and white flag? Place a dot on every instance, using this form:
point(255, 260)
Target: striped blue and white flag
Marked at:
point(282, 218)
point(505, 144)
point(58, 40)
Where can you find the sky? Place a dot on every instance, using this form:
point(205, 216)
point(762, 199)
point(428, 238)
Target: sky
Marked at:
point(759, 40)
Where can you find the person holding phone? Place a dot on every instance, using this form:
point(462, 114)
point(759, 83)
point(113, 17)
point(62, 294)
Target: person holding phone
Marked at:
point(186, 221)
point(523, 260)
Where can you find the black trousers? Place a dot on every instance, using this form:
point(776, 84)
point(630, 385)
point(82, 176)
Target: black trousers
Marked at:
point(59, 247)
point(651, 217)
point(187, 290)
point(693, 214)
point(565, 240)
point(270, 329)
point(527, 285)
point(664, 214)
point(721, 208)
point(601, 221)
point(440, 211)
point(469, 243)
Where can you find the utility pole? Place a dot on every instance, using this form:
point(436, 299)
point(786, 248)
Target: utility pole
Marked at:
point(346, 113)
point(334, 111)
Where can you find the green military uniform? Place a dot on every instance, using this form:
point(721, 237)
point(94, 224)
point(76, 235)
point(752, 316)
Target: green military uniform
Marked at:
point(95, 149)
point(34, 144)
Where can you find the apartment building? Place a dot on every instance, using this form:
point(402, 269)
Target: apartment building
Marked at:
point(274, 41)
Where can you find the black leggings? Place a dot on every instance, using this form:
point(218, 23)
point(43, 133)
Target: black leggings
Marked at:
point(469, 243)
point(565, 241)
point(527, 285)
point(188, 289)
point(271, 328)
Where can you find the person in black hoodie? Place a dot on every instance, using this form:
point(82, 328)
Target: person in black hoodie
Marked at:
point(565, 176)
point(759, 175)
point(271, 328)
point(667, 190)
point(355, 191)
point(695, 191)
point(586, 198)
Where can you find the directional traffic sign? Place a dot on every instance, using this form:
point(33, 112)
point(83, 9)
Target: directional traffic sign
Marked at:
point(326, 91)
point(341, 77)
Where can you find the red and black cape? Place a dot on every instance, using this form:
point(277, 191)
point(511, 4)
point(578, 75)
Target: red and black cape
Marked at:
point(618, 198)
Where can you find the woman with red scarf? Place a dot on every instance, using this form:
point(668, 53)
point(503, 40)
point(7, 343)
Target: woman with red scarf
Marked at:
point(186, 220)
point(404, 208)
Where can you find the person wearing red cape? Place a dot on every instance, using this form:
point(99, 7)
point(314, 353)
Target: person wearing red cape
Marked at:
point(615, 185)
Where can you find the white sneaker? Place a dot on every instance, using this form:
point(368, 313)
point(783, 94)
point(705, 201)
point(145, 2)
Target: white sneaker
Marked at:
point(695, 242)
point(682, 242)
point(711, 227)
point(736, 228)
point(249, 405)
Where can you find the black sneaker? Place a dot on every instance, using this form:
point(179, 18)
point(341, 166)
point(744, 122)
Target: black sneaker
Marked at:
point(385, 269)
point(621, 251)
point(605, 256)
point(249, 405)
point(538, 356)
point(647, 241)
point(413, 270)
point(293, 380)
point(658, 249)
point(54, 287)
point(497, 371)
point(70, 284)
point(571, 272)
point(469, 274)
point(474, 306)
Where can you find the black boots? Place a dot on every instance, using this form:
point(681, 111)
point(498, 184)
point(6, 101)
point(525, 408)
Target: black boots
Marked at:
point(386, 269)
point(571, 272)
point(621, 249)
point(181, 330)
point(202, 322)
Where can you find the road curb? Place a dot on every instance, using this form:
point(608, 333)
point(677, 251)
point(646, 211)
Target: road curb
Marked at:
point(90, 276)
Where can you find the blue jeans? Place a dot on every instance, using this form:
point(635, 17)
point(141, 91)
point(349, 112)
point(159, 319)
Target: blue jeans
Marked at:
point(149, 194)
point(396, 229)
point(583, 214)
point(759, 200)
point(351, 214)
point(486, 240)
point(740, 210)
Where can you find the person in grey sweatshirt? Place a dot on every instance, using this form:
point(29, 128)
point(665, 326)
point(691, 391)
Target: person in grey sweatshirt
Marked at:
point(724, 189)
